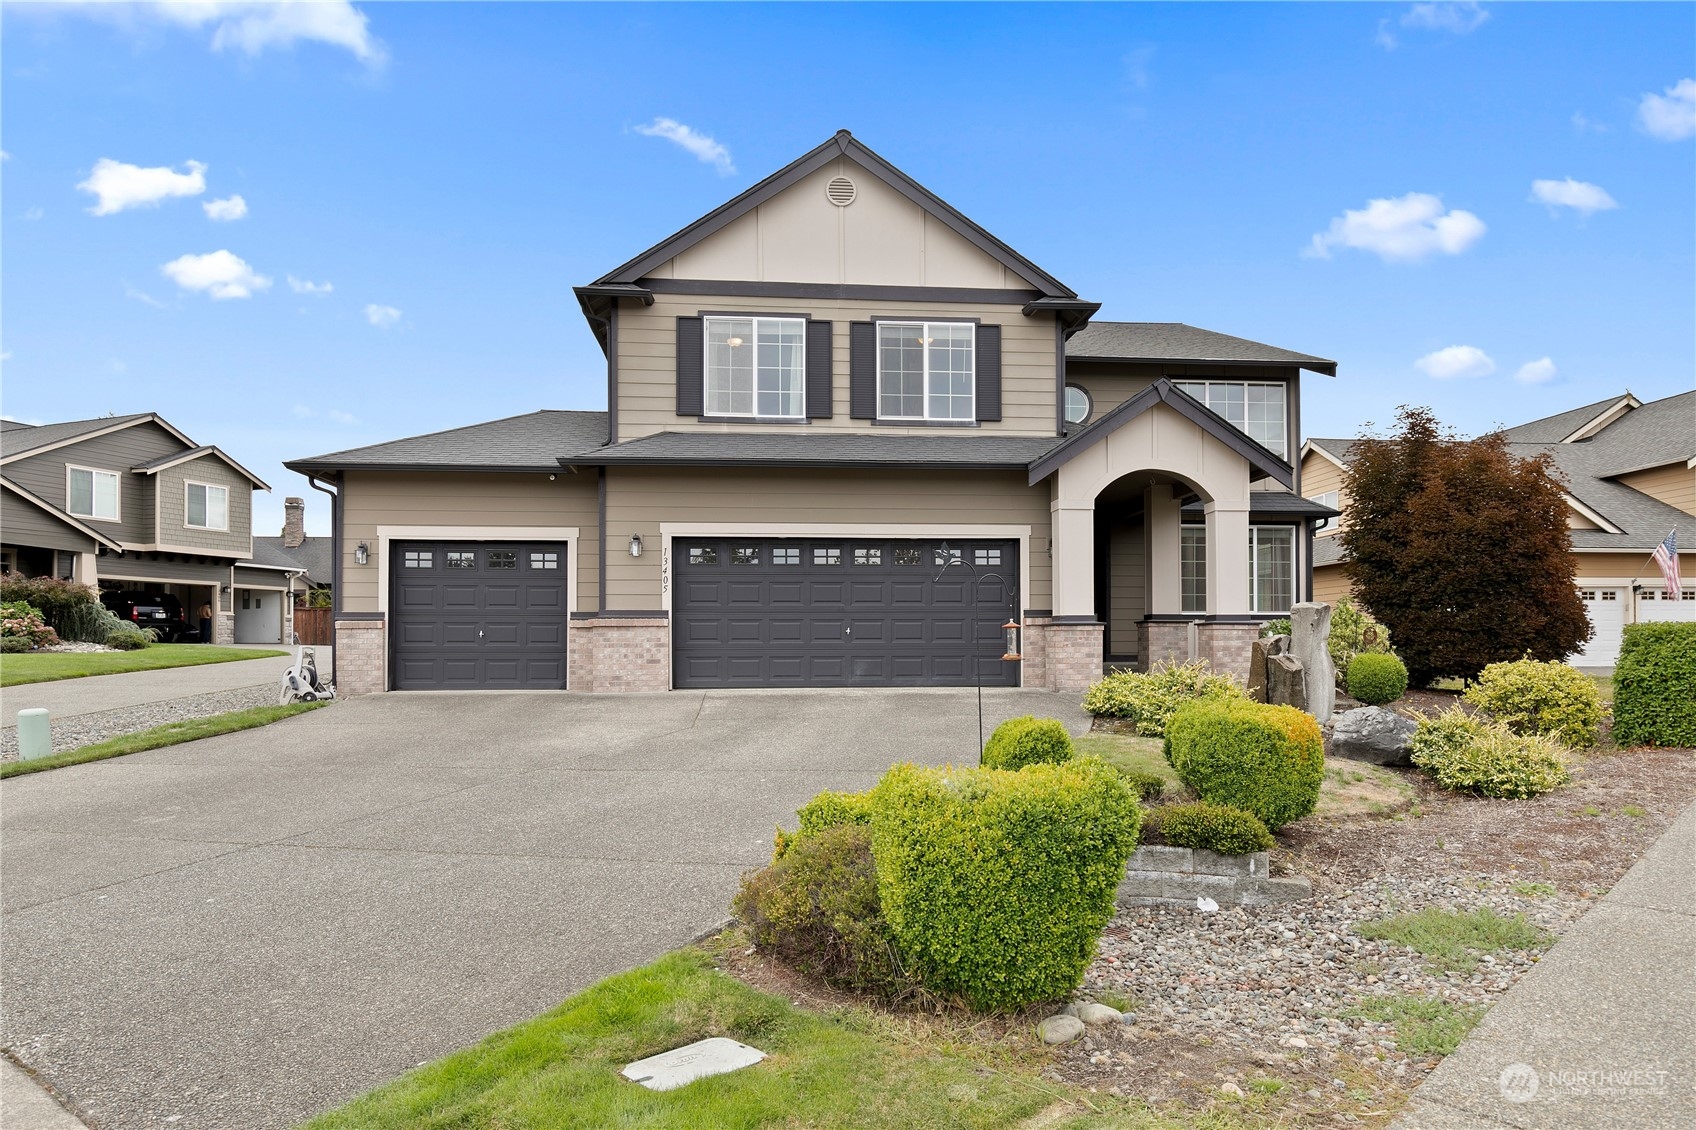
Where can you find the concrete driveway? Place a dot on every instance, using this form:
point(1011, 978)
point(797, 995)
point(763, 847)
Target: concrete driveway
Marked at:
point(247, 930)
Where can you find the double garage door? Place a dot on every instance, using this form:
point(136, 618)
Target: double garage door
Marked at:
point(1611, 607)
point(791, 612)
point(478, 615)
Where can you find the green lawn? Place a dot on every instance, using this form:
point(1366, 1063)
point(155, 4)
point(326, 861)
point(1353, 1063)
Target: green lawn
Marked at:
point(849, 1069)
point(1131, 754)
point(45, 667)
point(171, 733)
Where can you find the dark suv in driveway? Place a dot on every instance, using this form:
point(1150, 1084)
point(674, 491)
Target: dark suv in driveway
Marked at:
point(157, 610)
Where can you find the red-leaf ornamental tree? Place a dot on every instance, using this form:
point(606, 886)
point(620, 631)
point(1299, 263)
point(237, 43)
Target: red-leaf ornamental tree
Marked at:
point(1461, 548)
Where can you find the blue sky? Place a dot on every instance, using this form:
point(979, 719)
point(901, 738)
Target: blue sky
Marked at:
point(449, 172)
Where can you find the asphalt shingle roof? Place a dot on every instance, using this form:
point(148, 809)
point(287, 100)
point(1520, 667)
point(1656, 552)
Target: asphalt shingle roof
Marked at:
point(1553, 429)
point(821, 450)
point(1276, 502)
point(1175, 341)
point(17, 438)
point(313, 555)
point(533, 442)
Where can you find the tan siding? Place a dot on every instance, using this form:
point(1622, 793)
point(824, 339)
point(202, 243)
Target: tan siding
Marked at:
point(1329, 584)
point(1125, 588)
point(640, 499)
point(173, 507)
point(1577, 521)
point(371, 499)
point(1674, 484)
point(647, 361)
point(1107, 393)
point(1624, 566)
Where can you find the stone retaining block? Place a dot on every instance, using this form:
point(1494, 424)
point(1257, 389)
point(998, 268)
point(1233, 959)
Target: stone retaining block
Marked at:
point(1158, 875)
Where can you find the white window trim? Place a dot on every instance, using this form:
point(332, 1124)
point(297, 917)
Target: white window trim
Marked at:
point(209, 487)
point(117, 492)
point(1328, 527)
point(1283, 432)
point(706, 366)
point(1254, 573)
point(924, 334)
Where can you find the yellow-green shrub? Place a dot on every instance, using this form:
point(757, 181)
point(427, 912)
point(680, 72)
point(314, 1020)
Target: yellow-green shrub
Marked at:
point(1550, 699)
point(826, 810)
point(997, 884)
point(1475, 755)
point(1267, 759)
point(1029, 740)
point(1376, 678)
point(1214, 827)
point(1149, 699)
point(1655, 686)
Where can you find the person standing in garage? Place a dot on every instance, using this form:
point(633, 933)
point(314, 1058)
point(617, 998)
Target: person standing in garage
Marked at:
point(206, 622)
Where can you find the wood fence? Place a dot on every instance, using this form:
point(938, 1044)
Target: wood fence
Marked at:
point(314, 626)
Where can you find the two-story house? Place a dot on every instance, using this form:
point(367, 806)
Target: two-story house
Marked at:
point(1629, 468)
point(850, 435)
point(130, 502)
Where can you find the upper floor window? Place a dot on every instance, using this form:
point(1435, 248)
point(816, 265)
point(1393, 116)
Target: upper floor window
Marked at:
point(1329, 498)
point(90, 493)
point(1255, 409)
point(756, 367)
point(208, 507)
point(926, 371)
point(1078, 405)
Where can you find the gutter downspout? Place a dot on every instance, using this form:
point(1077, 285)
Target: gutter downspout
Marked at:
point(335, 541)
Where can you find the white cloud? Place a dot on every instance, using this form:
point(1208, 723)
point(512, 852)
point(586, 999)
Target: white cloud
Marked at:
point(1460, 18)
point(220, 273)
point(1584, 123)
point(142, 297)
point(5, 156)
point(1581, 196)
point(381, 316)
point(1540, 371)
point(229, 208)
point(35, 213)
point(304, 286)
point(121, 186)
point(1402, 229)
point(1457, 361)
point(703, 147)
point(1672, 116)
point(249, 26)
point(339, 417)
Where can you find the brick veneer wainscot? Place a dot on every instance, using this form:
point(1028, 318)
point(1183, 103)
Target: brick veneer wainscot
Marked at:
point(1074, 656)
point(360, 663)
point(619, 653)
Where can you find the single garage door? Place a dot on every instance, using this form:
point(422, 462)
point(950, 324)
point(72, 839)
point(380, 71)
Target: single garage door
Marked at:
point(751, 612)
point(1655, 605)
point(1606, 609)
point(478, 615)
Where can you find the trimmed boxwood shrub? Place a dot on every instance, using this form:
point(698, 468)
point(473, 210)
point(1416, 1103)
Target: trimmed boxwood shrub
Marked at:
point(1529, 697)
point(1267, 759)
point(817, 908)
point(1655, 686)
point(1148, 700)
point(1376, 678)
point(1019, 742)
point(1214, 827)
point(996, 885)
point(1147, 786)
point(1470, 754)
point(826, 810)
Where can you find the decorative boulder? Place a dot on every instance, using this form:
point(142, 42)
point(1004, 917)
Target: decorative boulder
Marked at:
point(1310, 643)
point(1371, 733)
point(1285, 682)
point(1257, 670)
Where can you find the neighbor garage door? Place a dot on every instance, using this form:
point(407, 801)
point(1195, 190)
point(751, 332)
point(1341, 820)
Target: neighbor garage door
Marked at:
point(750, 612)
point(478, 615)
point(1605, 606)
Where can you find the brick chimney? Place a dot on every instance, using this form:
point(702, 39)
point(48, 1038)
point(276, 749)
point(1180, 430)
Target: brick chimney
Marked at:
point(294, 522)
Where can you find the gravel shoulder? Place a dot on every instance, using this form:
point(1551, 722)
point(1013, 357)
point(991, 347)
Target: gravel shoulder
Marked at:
point(79, 730)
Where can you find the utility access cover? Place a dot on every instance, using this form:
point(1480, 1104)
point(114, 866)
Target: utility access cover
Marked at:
point(670, 1070)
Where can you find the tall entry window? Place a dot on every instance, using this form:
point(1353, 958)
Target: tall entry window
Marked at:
point(756, 367)
point(1255, 409)
point(1192, 562)
point(926, 370)
point(1272, 567)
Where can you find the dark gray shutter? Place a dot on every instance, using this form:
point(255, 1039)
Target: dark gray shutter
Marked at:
point(862, 370)
point(819, 371)
point(989, 372)
point(691, 381)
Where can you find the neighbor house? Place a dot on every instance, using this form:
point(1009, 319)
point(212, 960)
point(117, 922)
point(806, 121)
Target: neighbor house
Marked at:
point(850, 435)
point(131, 503)
point(1630, 471)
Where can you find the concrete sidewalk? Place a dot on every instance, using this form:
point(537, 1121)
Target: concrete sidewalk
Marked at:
point(1602, 1033)
point(67, 697)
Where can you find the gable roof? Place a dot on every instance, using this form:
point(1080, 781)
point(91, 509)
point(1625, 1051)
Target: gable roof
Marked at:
point(312, 557)
point(57, 514)
point(19, 441)
point(1163, 391)
point(531, 442)
point(1175, 341)
point(154, 466)
point(843, 144)
point(1562, 425)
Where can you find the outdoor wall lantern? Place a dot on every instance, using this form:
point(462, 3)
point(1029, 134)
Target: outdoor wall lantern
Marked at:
point(362, 553)
point(1011, 627)
point(635, 545)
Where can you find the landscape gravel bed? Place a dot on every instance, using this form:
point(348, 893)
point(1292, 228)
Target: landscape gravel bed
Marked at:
point(86, 729)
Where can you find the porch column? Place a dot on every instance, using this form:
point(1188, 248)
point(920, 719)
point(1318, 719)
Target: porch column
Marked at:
point(1162, 519)
point(87, 571)
point(1227, 557)
point(1073, 541)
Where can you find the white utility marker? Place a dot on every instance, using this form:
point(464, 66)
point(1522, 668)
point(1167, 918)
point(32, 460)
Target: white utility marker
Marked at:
point(670, 1070)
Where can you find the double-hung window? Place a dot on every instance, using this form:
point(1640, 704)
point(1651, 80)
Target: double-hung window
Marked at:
point(91, 493)
point(1272, 567)
point(1326, 525)
point(756, 367)
point(1255, 409)
point(926, 371)
point(208, 507)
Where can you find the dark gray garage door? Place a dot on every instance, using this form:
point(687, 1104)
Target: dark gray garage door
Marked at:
point(751, 612)
point(478, 615)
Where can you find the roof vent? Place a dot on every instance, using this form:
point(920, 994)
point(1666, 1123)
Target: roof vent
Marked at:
point(841, 191)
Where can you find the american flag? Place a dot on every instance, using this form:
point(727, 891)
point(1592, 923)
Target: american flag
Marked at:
point(1666, 556)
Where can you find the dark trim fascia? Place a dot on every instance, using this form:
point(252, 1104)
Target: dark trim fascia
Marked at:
point(879, 423)
point(165, 462)
point(1038, 612)
point(1204, 618)
point(1315, 365)
point(612, 373)
point(335, 533)
point(1075, 620)
point(842, 464)
point(842, 144)
point(1162, 391)
point(1292, 431)
point(379, 616)
point(785, 420)
point(1060, 379)
point(601, 568)
point(309, 469)
point(1307, 570)
point(859, 291)
point(600, 303)
point(623, 614)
